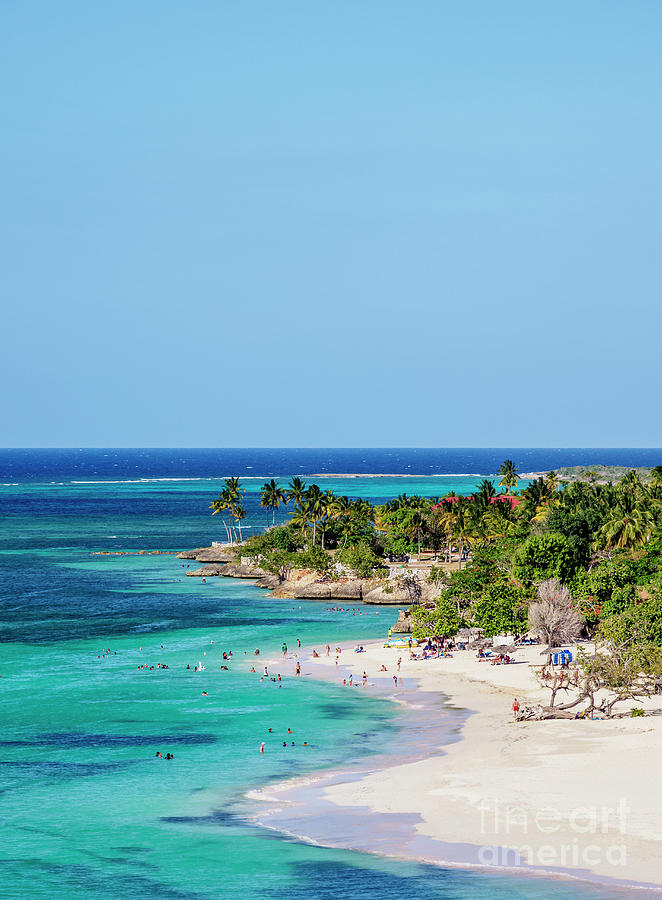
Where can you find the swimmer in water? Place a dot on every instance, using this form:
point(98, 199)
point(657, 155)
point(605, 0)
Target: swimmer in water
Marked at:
point(262, 747)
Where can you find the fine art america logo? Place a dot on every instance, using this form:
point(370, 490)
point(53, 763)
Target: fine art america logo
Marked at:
point(574, 838)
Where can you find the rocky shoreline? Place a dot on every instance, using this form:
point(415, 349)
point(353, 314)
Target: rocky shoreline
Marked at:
point(304, 584)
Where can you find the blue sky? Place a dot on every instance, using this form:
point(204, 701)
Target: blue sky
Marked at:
point(358, 223)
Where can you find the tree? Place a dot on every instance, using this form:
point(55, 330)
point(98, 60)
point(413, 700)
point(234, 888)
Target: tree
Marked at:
point(463, 529)
point(626, 665)
point(221, 505)
point(544, 556)
point(442, 621)
point(628, 526)
point(500, 610)
point(314, 503)
point(278, 562)
point(415, 524)
point(360, 559)
point(485, 493)
point(271, 496)
point(301, 520)
point(238, 514)
point(553, 616)
point(296, 491)
point(509, 475)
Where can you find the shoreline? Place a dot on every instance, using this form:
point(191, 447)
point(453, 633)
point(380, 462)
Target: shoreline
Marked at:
point(460, 795)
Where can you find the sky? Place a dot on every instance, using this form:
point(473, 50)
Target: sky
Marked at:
point(349, 223)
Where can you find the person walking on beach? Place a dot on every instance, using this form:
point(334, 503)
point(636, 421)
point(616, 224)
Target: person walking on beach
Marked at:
point(298, 669)
point(515, 707)
point(395, 681)
point(399, 662)
point(328, 649)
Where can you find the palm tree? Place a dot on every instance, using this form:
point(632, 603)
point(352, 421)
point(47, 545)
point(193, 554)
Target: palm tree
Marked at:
point(363, 511)
point(314, 503)
point(629, 526)
point(552, 481)
point(234, 487)
point(296, 491)
point(238, 513)
point(416, 523)
point(301, 519)
point(463, 528)
point(271, 496)
point(446, 516)
point(327, 508)
point(486, 491)
point(509, 473)
point(221, 505)
point(656, 482)
point(496, 522)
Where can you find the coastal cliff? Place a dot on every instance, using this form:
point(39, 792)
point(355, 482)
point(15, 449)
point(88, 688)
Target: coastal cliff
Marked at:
point(304, 584)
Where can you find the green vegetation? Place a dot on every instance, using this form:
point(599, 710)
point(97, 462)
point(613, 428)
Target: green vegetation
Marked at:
point(604, 474)
point(557, 558)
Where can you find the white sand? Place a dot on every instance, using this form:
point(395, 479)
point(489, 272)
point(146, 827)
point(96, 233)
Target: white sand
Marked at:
point(580, 796)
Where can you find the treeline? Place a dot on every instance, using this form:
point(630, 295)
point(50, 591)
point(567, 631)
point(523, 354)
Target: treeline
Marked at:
point(561, 558)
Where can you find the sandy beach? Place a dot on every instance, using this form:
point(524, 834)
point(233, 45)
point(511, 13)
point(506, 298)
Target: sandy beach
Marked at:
point(568, 797)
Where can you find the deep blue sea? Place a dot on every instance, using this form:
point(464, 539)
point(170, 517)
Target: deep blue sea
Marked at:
point(53, 464)
point(87, 809)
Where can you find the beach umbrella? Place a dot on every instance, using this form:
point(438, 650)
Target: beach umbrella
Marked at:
point(504, 648)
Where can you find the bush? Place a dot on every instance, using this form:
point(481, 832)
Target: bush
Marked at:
point(315, 559)
point(360, 559)
point(544, 556)
point(283, 537)
point(442, 621)
point(501, 608)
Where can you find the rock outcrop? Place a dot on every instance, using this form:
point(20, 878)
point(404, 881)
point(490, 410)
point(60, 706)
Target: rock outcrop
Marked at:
point(305, 584)
point(229, 570)
point(232, 570)
point(404, 625)
point(210, 555)
point(206, 571)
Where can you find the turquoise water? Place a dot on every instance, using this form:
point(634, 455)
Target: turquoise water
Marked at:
point(87, 810)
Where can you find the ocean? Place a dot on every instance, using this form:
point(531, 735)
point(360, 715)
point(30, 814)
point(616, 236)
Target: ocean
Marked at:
point(87, 809)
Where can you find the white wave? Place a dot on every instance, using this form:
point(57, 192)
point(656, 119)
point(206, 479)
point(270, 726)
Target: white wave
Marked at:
point(140, 480)
point(10, 483)
point(461, 475)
